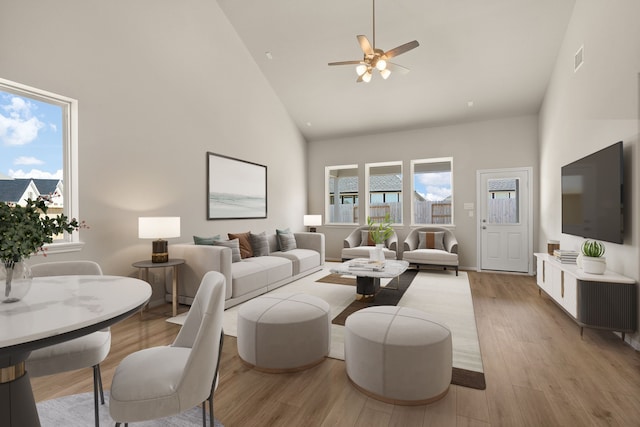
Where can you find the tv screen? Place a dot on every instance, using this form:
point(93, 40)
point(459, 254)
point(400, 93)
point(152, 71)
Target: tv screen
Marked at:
point(592, 195)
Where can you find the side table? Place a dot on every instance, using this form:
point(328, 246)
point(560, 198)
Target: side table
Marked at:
point(144, 267)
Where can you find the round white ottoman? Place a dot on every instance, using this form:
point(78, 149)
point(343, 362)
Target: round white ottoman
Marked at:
point(398, 355)
point(284, 332)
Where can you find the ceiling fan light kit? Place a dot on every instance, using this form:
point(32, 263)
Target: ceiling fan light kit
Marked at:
point(377, 58)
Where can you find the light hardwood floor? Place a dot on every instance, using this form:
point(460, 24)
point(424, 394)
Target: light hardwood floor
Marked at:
point(539, 372)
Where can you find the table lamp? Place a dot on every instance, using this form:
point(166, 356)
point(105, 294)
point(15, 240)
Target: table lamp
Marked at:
point(159, 228)
point(312, 221)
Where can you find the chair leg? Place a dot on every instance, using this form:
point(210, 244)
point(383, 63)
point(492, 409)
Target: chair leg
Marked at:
point(95, 395)
point(100, 383)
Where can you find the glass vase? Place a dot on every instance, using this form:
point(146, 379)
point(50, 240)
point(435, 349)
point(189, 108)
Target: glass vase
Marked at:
point(16, 277)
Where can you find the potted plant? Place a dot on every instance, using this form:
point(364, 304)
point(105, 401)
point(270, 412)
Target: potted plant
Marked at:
point(379, 233)
point(592, 259)
point(24, 230)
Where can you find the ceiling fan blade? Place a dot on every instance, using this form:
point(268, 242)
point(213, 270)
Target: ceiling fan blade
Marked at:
point(401, 49)
point(397, 68)
point(365, 45)
point(346, 62)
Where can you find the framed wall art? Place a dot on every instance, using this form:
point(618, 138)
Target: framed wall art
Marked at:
point(236, 189)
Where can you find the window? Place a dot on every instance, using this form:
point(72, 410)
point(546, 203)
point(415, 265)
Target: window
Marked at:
point(432, 195)
point(384, 190)
point(38, 151)
point(342, 194)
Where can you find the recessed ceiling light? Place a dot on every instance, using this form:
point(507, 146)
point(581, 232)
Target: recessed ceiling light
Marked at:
point(469, 103)
point(268, 55)
point(309, 124)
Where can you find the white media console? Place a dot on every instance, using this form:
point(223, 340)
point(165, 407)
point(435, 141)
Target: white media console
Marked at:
point(602, 301)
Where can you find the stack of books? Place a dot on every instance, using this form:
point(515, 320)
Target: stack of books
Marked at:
point(364, 265)
point(565, 256)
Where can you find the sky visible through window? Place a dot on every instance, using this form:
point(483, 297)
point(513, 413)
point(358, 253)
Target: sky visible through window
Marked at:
point(433, 186)
point(31, 137)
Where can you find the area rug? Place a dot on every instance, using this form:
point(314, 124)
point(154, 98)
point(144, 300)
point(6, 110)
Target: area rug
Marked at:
point(440, 293)
point(77, 411)
point(390, 293)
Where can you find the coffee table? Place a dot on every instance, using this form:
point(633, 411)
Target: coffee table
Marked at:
point(368, 274)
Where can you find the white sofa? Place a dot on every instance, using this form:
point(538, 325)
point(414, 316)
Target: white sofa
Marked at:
point(249, 277)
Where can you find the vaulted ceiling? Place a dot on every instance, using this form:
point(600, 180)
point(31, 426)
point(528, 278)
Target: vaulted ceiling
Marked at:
point(477, 59)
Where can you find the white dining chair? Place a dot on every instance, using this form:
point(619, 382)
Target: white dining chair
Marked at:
point(83, 352)
point(163, 381)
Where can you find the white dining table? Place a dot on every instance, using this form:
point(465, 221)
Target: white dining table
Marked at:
point(56, 309)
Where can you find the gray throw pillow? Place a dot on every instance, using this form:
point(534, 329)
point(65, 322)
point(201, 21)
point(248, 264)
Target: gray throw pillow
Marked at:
point(234, 245)
point(286, 240)
point(259, 244)
point(431, 240)
point(205, 240)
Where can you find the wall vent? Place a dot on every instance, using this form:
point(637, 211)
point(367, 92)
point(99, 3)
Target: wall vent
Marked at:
point(578, 59)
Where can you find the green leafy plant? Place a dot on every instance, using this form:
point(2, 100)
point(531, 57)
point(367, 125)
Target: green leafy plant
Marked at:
point(24, 230)
point(380, 231)
point(592, 248)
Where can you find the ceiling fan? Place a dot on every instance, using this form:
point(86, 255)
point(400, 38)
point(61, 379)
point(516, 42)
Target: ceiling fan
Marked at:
point(377, 58)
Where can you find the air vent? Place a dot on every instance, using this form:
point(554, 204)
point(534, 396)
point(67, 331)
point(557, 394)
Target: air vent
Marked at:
point(578, 59)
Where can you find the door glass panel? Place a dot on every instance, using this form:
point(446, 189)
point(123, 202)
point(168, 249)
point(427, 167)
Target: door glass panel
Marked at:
point(502, 201)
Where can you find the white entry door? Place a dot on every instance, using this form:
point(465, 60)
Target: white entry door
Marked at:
point(505, 235)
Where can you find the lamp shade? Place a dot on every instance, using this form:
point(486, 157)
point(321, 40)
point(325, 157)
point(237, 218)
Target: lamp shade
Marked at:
point(312, 220)
point(158, 227)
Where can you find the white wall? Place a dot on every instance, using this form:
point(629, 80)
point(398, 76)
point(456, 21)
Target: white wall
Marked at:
point(502, 143)
point(591, 109)
point(159, 83)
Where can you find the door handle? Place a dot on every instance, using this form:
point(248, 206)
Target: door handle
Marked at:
point(484, 227)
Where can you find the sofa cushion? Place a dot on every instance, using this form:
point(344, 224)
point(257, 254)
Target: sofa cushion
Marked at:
point(206, 240)
point(235, 248)
point(277, 268)
point(365, 252)
point(301, 259)
point(431, 240)
point(247, 277)
point(286, 240)
point(245, 243)
point(259, 244)
point(430, 256)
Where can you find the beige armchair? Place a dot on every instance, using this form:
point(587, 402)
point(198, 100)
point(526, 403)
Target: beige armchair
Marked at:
point(355, 245)
point(431, 245)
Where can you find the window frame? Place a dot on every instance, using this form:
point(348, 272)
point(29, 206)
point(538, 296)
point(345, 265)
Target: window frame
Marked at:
point(413, 190)
point(327, 195)
point(70, 241)
point(367, 190)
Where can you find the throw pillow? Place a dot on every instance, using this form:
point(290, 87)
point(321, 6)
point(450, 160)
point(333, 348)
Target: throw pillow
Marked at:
point(286, 240)
point(259, 244)
point(366, 239)
point(235, 248)
point(431, 240)
point(205, 240)
point(245, 243)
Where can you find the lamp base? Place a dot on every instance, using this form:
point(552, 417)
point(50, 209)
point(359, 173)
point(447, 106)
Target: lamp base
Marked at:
point(312, 229)
point(160, 251)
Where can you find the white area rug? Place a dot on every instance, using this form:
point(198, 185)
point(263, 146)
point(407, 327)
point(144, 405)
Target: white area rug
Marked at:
point(439, 293)
point(77, 411)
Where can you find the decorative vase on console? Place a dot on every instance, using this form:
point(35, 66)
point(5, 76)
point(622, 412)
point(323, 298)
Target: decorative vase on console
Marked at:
point(592, 260)
point(379, 233)
point(24, 230)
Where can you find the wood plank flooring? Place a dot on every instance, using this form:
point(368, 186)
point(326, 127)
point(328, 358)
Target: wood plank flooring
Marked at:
point(539, 372)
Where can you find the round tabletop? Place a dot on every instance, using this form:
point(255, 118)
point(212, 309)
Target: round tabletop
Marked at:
point(58, 306)
point(150, 264)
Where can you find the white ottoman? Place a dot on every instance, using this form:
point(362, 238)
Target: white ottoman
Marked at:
point(398, 355)
point(282, 332)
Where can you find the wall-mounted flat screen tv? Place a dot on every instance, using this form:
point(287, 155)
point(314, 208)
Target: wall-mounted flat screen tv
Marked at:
point(592, 196)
